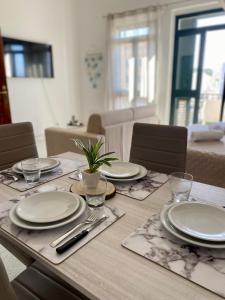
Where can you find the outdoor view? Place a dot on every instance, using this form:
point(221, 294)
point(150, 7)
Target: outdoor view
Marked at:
point(212, 77)
point(208, 45)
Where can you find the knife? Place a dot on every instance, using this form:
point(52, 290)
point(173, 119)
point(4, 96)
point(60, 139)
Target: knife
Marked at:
point(61, 249)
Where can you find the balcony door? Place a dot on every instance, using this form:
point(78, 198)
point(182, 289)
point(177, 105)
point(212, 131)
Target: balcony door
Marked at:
point(5, 116)
point(198, 92)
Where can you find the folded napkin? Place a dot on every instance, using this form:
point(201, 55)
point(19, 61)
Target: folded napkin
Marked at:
point(211, 135)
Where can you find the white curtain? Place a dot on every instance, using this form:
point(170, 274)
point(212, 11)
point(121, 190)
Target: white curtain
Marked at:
point(131, 60)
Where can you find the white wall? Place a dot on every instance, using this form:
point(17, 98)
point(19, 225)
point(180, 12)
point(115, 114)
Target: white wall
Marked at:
point(92, 37)
point(74, 28)
point(45, 102)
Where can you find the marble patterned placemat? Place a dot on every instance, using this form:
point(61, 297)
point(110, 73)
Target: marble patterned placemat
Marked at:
point(142, 188)
point(203, 266)
point(138, 189)
point(39, 240)
point(66, 166)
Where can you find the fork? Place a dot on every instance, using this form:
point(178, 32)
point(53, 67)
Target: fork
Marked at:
point(90, 219)
point(9, 175)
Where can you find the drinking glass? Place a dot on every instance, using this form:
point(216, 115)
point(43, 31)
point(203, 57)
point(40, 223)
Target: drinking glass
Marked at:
point(95, 196)
point(31, 170)
point(180, 185)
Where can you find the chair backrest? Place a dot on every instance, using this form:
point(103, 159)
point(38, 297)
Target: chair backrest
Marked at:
point(16, 143)
point(35, 283)
point(6, 290)
point(159, 148)
point(206, 167)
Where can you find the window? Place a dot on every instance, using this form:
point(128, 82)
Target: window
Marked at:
point(201, 21)
point(198, 93)
point(133, 55)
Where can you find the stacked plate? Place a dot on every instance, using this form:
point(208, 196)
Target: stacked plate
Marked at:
point(197, 223)
point(46, 165)
point(123, 171)
point(47, 210)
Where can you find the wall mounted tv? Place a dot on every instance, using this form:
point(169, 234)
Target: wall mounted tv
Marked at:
point(27, 59)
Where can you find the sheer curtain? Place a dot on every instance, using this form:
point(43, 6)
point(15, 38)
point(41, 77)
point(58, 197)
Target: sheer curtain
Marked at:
point(132, 56)
point(222, 2)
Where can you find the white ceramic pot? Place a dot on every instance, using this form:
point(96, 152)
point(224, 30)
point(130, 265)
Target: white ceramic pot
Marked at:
point(90, 179)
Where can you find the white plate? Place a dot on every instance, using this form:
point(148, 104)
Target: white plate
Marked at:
point(199, 220)
point(120, 169)
point(142, 173)
point(180, 235)
point(14, 169)
point(35, 226)
point(47, 207)
point(45, 164)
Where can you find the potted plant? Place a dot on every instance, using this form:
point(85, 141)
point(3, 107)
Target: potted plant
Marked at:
point(95, 160)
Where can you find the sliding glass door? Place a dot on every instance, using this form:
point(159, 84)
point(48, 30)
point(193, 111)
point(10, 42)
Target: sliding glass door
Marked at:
point(199, 68)
point(211, 107)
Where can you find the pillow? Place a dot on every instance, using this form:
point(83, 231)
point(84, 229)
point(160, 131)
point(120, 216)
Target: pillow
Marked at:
point(218, 126)
point(211, 135)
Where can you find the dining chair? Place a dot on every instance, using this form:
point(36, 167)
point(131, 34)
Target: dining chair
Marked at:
point(159, 148)
point(206, 167)
point(34, 284)
point(16, 143)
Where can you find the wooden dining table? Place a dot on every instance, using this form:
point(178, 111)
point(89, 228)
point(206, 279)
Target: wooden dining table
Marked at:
point(103, 269)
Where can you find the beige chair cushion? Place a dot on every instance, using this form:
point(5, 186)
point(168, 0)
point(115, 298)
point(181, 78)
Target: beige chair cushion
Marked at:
point(95, 124)
point(116, 117)
point(16, 143)
point(60, 140)
point(116, 126)
point(206, 167)
point(159, 148)
point(98, 122)
point(144, 112)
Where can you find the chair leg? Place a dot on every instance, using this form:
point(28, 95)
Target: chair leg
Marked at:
point(17, 252)
point(6, 290)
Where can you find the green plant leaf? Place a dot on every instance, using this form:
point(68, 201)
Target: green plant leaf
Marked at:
point(92, 153)
point(102, 161)
point(106, 163)
point(106, 154)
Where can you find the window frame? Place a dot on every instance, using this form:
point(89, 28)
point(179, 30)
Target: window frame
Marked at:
point(134, 40)
point(187, 32)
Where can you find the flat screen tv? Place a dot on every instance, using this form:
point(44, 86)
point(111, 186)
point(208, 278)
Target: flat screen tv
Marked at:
point(27, 59)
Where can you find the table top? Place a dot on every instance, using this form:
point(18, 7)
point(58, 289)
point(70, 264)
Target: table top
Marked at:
point(103, 269)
